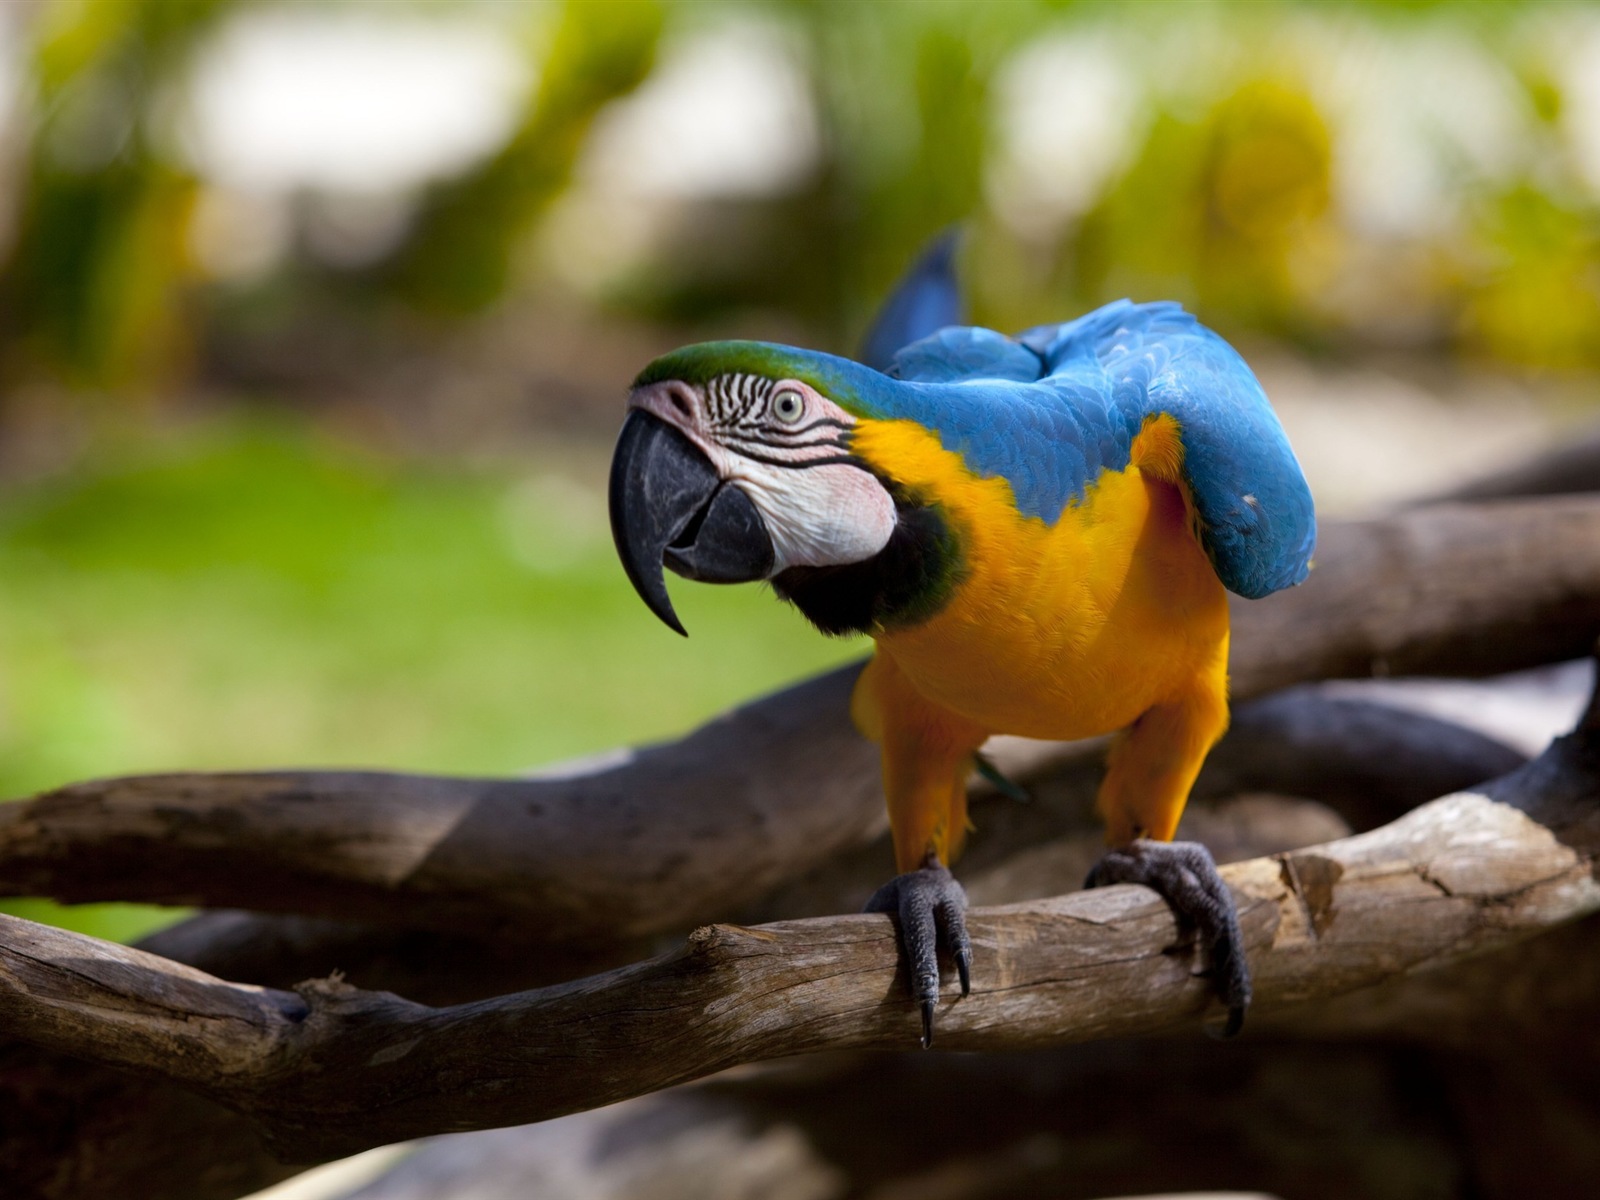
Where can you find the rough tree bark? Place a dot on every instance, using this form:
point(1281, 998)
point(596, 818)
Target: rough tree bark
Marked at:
point(75, 1129)
point(329, 1069)
point(106, 1124)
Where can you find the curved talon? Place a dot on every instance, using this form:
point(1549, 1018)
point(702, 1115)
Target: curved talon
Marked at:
point(1185, 875)
point(929, 906)
point(951, 916)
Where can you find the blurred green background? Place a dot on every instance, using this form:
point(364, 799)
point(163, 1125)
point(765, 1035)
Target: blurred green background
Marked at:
point(316, 317)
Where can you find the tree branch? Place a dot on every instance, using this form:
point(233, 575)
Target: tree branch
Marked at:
point(330, 1069)
point(1450, 590)
point(75, 1129)
point(1566, 469)
point(635, 843)
point(657, 839)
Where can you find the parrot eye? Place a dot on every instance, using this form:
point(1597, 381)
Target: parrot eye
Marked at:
point(788, 407)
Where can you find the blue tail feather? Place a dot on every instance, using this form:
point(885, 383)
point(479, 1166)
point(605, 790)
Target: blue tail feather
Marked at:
point(926, 300)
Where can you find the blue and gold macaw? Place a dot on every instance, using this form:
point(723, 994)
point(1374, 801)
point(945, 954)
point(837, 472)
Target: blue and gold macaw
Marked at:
point(1038, 532)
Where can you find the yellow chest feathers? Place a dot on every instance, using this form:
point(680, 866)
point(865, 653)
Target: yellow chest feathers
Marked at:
point(1065, 630)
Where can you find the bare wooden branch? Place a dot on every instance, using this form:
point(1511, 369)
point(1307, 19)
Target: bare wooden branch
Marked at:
point(1566, 469)
point(1368, 762)
point(657, 839)
point(634, 843)
point(75, 1130)
point(1458, 589)
point(432, 966)
point(78, 1131)
point(108, 1132)
point(331, 1069)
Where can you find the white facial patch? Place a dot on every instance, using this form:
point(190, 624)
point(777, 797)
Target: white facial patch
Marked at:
point(786, 445)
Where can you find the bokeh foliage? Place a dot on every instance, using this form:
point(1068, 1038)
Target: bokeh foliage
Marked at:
point(459, 257)
point(1228, 196)
point(92, 281)
point(1217, 211)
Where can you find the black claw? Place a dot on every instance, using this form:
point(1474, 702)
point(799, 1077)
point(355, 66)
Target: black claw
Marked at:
point(1186, 877)
point(929, 908)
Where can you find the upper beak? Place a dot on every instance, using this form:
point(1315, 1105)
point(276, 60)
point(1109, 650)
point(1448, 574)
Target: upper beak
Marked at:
point(670, 507)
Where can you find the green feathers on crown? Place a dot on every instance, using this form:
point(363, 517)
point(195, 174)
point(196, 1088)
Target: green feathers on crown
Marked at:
point(844, 382)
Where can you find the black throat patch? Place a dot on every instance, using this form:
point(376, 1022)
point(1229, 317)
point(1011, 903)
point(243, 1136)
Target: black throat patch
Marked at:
point(906, 582)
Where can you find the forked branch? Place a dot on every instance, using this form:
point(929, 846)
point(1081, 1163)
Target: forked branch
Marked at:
point(329, 1069)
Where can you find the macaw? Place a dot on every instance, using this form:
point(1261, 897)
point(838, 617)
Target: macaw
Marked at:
point(1038, 532)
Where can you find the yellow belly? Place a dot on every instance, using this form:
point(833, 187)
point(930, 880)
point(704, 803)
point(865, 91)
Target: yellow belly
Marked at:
point(1066, 630)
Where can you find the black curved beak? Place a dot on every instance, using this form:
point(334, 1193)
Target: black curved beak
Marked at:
point(670, 508)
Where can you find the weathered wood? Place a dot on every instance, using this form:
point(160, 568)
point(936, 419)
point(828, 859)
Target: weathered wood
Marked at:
point(1366, 761)
point(1343, 1079)
point(1454, 589)
point(428, 965)
point(630, 844)
point(330, 1069)
point(655, 839)
point(74, 1129)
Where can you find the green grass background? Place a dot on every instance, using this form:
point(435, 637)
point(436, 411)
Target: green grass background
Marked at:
point(249, 593)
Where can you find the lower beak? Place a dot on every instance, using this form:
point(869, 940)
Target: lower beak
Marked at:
point(669, 507)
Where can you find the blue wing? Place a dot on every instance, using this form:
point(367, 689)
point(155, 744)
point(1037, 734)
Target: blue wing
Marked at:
point(1258, 523)
point(1052, 408)
point(965, 352)
point(926, 300)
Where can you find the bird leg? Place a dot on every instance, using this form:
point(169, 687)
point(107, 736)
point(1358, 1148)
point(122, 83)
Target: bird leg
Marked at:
point(928, 906)
point(1185, 875)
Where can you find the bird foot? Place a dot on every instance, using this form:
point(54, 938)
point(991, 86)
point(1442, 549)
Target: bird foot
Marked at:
point(1185, 875)
point(928, 906)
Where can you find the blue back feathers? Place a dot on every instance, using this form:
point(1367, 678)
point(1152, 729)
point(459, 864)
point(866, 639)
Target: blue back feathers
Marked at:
point(1050, 409)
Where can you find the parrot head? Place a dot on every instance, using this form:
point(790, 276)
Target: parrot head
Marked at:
point(734, 465)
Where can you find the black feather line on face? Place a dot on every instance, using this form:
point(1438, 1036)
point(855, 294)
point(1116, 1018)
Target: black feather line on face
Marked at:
point(800, 464)
point(906, 582)
point(765, 452)
point(763, 438)
point(753, 448)
point(819, 423)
